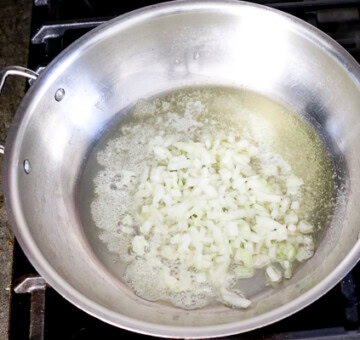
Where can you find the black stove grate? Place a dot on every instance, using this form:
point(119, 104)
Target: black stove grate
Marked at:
point(56, 24)
point(39, 313)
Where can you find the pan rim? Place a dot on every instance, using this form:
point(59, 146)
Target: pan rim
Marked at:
point(34, 254)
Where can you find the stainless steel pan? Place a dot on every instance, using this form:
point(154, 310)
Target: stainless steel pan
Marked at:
point(143, 53)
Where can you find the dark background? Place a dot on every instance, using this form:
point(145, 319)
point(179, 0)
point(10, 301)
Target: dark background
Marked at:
point(14, 40)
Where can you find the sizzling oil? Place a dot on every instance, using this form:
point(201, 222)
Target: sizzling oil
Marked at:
point(195, 111)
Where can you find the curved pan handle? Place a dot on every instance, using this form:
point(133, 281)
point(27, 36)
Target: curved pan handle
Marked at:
point(14, 71)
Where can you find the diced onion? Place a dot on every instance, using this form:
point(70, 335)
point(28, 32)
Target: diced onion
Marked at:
point(273, 274)
point(206, 207)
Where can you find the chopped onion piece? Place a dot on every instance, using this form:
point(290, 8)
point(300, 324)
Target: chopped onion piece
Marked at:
point(305, 227)
point(213, 212)
point(242, 272)
point(273, 274)
point(304, 253)
point(233, 299)
point(138, 244)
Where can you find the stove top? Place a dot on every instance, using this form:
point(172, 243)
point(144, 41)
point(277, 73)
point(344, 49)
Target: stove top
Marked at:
point(39, 313)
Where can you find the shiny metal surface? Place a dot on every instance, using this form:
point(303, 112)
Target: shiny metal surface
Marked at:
point(146, 52)
point(16, 71)
point(30, 284)
point(49, 31)
point(36, 286)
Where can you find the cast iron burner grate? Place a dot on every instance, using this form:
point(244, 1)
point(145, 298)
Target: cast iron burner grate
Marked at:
point(39, 313)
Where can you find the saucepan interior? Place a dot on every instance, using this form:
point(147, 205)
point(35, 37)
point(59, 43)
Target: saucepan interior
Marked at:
point(149, 52)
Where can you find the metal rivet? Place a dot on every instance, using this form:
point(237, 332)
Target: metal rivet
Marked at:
point(59, 95)
point(27, 166)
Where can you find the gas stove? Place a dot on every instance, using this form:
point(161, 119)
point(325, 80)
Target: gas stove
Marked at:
point(40, 313)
